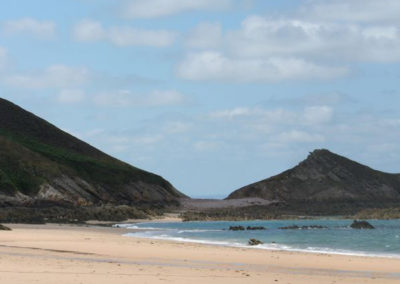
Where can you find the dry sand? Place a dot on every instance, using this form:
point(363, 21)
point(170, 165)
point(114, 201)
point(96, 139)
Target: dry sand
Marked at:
point(59, 254)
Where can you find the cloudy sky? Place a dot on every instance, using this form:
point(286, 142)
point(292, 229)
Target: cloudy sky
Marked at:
point(211, 94)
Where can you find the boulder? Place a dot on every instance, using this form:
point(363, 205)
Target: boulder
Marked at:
point(361, 225)
point(254, 242)
point(236, 228)
point(4, 228)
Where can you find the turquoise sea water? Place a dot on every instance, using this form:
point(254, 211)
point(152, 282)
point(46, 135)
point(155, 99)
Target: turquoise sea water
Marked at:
point(337, 238)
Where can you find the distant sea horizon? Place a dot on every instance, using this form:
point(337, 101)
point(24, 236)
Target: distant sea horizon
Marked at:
point(337, 237)
point(212, 196)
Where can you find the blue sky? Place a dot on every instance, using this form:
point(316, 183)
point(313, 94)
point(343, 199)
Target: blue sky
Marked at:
point(212, 95)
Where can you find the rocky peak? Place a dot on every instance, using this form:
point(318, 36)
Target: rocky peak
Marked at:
point(322, 157)
point(324, 175)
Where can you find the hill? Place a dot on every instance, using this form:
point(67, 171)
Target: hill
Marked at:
point(327, 183)
point(41, 164)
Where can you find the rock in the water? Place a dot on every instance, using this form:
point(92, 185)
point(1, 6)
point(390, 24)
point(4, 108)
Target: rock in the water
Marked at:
point(254, 242)
point(293, 227)
point(361, 225)
point(256, 228)
point(236, 228)
point(4, 228)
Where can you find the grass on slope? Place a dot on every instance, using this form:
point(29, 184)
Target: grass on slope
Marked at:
point(23, 170)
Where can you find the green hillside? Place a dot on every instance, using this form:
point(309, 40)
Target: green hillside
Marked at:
point(35, 154)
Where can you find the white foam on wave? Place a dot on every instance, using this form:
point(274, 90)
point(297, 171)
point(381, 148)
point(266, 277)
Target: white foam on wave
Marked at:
point(319, 250)
point(271, 246)
point(179, 239)
point(134, 227)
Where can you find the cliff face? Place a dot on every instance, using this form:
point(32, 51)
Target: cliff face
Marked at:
point(40, 163)
point(326, 177)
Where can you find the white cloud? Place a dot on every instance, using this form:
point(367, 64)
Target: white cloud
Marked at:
point(125, 36)
point(233, 113)
point(263, 130)
point(71, 96)
point(365, 11)
point(318, 115)
point(323, 43)
point(55, 76)
point(126, 98)
point(205, 35)
point(160, 8)
point(261, 37)
point(257, 116)
point(29, 26)
point(89, 30)
point(214, 66)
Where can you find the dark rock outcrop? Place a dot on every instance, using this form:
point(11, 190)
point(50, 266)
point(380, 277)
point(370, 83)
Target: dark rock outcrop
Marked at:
point(361, 225)
point(254, 242)
point(236, 228)
point(250, 228)
point(41, 165)
point(4, 228)
point(327, 183)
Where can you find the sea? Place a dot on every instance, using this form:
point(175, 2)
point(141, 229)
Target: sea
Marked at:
point(337, 238)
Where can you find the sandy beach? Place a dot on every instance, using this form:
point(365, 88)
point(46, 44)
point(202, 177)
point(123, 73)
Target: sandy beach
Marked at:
point(77, 254)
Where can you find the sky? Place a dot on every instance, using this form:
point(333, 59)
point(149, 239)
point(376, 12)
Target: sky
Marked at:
point(210, 94)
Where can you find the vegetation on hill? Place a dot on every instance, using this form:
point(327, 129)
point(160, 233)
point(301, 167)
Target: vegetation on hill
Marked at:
point(39, 162)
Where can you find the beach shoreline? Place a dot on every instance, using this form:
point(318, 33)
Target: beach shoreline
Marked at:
point(89, 254)
point(163, 233)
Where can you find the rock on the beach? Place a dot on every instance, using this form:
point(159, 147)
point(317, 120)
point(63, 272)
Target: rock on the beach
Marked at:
point(4, 228)
point(254, 242)
point(361, 225)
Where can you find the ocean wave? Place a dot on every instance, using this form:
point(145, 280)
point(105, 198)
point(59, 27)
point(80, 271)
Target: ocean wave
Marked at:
point(180, 239)
point(270, 246)
point(134, 227)
point(355, 243)
point(322, 250)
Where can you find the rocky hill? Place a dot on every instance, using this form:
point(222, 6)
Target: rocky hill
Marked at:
point(327, 183)
point(41, 164)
